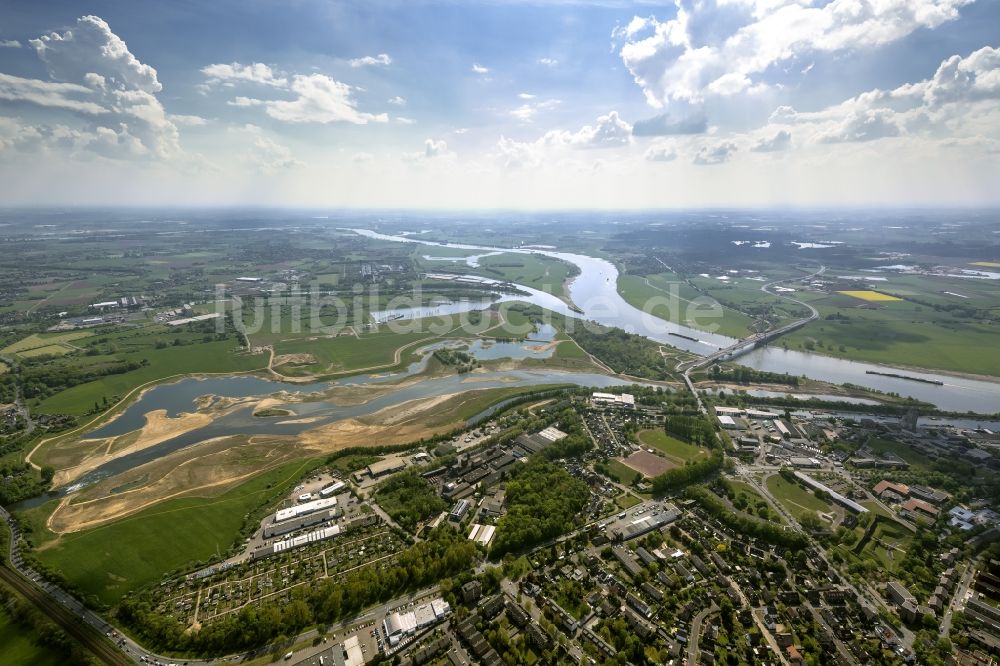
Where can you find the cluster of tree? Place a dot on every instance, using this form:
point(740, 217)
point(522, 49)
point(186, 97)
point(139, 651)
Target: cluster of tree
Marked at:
point(679, 477)
point(742, 400)
point(543, 501)
point(743, 375)
point(443, 554)
point(43, 632)
point(8, 388)
point(742, 524)
point(18, 482)
point(44, 380)
point(463, 361)
point(680, 402)
point(696, 430)
point(625, 353)
point(409, 499)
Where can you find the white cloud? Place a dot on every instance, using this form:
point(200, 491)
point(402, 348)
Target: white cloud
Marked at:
point(780, 141)
point(479, 69)
point(693, 54)
point(526, 112)
point(716, 154)
point(434, 149)
point(609, 131)
point(670, 123)
point(361, 158)
point(548, 62)
point(367, 61)
point(953, 103)
point(235, 72)
point(107, 94)
point(319, 99)
point(49, 93)
point(189, 120)
point(661, 152)
point(9, 44)
point(526, 96)
point(397, 101)
point(403, 120)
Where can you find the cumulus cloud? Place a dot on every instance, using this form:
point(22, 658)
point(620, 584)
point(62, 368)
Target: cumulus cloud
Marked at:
point(548, 62)
point(661, 152)
point(716, 154)
point(69, 96)
point(609, 131)
point(256, 72)
point(318, 99)
point(950, 103)
point(403, 120)
point(526, 96)
point(368, 61)
point(9, 44)
point(780, 141)
point(397, 101)
point(434, 149)
point(479, 69)
point(107, 95)
point(719, 46)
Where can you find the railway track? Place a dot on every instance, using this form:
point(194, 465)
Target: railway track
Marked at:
point(83, 633)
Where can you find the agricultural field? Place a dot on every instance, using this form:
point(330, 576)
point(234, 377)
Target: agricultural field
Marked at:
point(671, 447)
point(870, 296)
point(39, 344)
point(919, 326)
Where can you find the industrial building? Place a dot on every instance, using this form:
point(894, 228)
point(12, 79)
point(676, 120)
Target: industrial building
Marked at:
point(383, 467)
point(397, 624)
point(482, 534)
point(296, 542)
point(624, 400)
point(645, 524)
point(332, 489)
point(727, 422)
point(281, 515)
point(458, 511)
point(293, 524)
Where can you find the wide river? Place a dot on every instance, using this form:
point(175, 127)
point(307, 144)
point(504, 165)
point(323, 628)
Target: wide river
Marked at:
point(595, 292)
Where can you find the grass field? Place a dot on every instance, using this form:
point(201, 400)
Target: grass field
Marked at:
point(531, 270)
point(917, 460)
point(623, 472)
point(114, 559)
point(626, 501)
point(51, 343)
point(671, 447)
point(868, 295)
point(904, 332)
point(655, 297)
point(794, 497)
point(346, 353)
point(17, 647)
point(888, 544)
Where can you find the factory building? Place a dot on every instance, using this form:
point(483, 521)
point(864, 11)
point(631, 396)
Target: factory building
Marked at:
point(397, 624)
point(281, 515)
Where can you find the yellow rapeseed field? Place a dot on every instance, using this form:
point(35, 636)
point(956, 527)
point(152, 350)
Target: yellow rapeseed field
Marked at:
point(987, 264)
point(867, 295)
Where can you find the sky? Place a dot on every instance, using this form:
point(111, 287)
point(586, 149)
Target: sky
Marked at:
point(500, 103)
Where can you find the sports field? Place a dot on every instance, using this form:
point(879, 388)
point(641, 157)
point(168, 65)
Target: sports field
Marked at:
point(673, 448)
point(647, 464)
point(868, 295)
